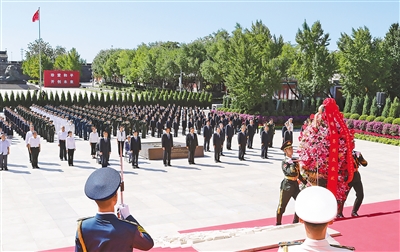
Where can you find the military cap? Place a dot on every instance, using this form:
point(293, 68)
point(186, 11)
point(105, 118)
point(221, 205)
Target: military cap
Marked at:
point(316, 205)
point(286, 145)
point(102, 184)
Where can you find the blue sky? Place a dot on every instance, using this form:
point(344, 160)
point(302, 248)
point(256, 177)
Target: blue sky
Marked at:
point(90, 26)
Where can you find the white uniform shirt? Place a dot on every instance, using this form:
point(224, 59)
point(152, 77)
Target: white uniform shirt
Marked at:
point(4, 145)
point(93, 137)
point(62, 136)
point(34, 142)
point(121, 136)
point(313, 245)
point(28, 136)
point(70, 142)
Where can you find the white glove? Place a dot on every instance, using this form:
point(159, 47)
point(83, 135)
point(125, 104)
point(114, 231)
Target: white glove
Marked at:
point(123, 209)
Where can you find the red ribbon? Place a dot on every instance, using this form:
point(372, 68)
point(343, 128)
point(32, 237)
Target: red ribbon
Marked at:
point(333, 116)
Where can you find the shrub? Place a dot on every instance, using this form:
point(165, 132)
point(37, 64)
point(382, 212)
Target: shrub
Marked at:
point(355, 116)
point(357, 124)
point(394, 130)
point(378, 126)
point(363, 117)
point(363, 125)
point(370, 118)
point(350, 123)
point(347, 105)
point(386, 128)
point(396, 121)
point(379, 119)
point(374, 108)
point(395, 108)
point(346, 115)
point(388, 120)
point(370, 127)
point(366, 105)
point(385, 111)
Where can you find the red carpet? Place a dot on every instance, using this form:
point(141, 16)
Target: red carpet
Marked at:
point(377, 228)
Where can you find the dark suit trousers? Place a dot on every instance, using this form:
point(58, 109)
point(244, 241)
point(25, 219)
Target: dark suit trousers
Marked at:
point(104, 159)
point(35, 155)
point(264, 150)
point(167, 156)
point(191, 155)
point(206, 144)
point(92, 149)
point(71, 156)
point(229, 143)
point(63, 150)
point(250, 141)
point(120, 148)
point(135, 158)
point(242, 150)
point(217, 153)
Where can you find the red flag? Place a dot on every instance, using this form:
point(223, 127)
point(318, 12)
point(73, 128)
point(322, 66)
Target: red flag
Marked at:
point(35, 16)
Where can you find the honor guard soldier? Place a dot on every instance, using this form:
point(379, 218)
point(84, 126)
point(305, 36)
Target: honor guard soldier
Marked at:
point(289, 186)
point(316, 208)
point(356, 183)
point(105, 231)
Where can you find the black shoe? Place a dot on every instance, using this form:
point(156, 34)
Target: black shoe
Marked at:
point(339, 216)
point(354, 214)
point(37, 167)
point(6, 169)
point(137, 166)
point(222, 154)
point(165, 165)
point(169, 165)
point(219, 161)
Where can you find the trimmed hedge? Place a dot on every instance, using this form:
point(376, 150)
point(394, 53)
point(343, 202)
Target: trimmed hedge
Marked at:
point(370, 118)
point(383, 140)
point(363, 117)
point(355, 116)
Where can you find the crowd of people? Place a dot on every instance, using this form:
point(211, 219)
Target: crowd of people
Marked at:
point(97, 125)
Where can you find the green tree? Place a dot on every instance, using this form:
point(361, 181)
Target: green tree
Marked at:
point(360, 62)
point(386, 108)
point(347, 106)
point(69, 99)
point(391, 48)
point(69, 61)
point(253, 67)
point(366, 105)
point(374, 108)
point(31, 65)
point(395, 108)
point(314, 65)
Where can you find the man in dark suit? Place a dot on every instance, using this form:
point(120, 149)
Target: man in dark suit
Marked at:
point(160, 127)
point(242, 140)
point(184, 124)
point(167, 145)
point(229, 131)
point(136, 147)
point(271, 132)
point(222, 133)
point(105, 149)
point(250, 134)
point(153, 126)
point(104, 231)
point(265, 142)
point(217, 143)
point(191, 144)
point(207, 133)
point(175, 125)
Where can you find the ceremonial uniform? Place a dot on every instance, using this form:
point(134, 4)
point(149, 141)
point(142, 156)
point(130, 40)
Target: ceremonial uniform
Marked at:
point(105, 232)
point(316, 206)
point(289, 185)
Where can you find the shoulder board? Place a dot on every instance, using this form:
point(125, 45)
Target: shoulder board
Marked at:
point(282, 244)
point(344, 247)
point(84, 218)
point(131, 222)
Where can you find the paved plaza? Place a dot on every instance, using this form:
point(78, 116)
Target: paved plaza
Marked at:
point(39, 207)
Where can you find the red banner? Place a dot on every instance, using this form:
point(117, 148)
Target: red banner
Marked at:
point(60, 78)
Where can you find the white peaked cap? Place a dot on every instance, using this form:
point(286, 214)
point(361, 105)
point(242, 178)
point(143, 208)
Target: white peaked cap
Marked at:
point(316, 205)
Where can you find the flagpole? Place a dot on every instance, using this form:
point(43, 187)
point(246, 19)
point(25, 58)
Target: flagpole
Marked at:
point(40, 56)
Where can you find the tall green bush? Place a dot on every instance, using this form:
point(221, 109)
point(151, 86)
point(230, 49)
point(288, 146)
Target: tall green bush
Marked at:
point(366, 105)
point(347, 105)
point(395, 108)
point(386, 108)
point(374, 108)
